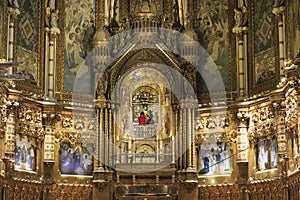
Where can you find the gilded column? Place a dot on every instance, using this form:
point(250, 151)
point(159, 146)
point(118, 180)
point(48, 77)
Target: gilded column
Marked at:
point(9, 142)
point(284, 116)
point(176, 135)
point(101, 138)
point(103, 177)
point(111, 137)
point(115, 123)
point(191, 105)
point(187, 174)
point(183, 135)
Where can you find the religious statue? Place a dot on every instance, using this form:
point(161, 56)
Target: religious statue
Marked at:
point(278, 3)
point(102, 85)
point(54, 18)
point(166, 22)
point(241, 14)
point(47, 17)
point(176, 23)
point(13, 3)
point(114, 24)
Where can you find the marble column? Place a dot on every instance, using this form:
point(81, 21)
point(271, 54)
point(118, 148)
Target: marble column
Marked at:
point(50, 61)
point(280, 14)
point(12, 19)
point(242, 153)
point(242, 65)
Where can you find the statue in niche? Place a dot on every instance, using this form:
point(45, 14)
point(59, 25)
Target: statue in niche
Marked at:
point(54, 18)
point(241, 14)
point(51, 4)
point(114, 23)
point(176, 23)
point(13, 3)
point(102, 85)
point(50, 8)
point(166, 22)
point(189, 83)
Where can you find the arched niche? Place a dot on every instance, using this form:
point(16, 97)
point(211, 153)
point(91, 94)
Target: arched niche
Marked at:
point(143, 89)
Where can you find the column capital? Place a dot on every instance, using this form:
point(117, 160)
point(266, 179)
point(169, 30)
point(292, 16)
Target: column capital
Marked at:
point(14, 12)
point(278, 11)
point(242, 116)
point(54, 31)
point(240, 30)
point(102, 103)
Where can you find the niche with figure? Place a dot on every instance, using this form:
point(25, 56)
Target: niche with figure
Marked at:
point(215, 158)
point(266, 153)
point(76, 159)
point(145, 106)
point(25, 153)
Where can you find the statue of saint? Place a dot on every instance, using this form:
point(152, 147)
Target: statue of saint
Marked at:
point(54, 18)
point(13, 3)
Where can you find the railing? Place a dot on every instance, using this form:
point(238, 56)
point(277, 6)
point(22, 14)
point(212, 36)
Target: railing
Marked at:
point(146, 131)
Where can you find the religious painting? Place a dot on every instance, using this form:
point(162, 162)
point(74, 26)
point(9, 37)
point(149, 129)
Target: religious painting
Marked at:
point(25, 153)
point(27, 40)
point(266, 153)
point(264, 33)
point(76, 159)
point(79, 31)
point(215, 158)
point(214, 38)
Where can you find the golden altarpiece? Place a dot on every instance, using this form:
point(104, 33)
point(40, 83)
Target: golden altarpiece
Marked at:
point(149, 99)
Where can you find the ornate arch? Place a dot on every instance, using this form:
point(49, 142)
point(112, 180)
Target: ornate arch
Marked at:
point(141, 58)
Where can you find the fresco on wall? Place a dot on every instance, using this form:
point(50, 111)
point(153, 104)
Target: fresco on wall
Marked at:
point(264, 41)
point(1, 32)
point(27, 40)
point(25, 153)
point(76, 159)
point(213, 29)
point(215, 158)
point(79, 30)
point(266, 154)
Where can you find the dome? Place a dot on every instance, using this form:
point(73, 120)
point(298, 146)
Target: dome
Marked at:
point(191, 33)
point(101, 35)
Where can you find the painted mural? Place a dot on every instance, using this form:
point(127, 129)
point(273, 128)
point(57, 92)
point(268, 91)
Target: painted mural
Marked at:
point(76, 159)
point(215, 158)
point(25, 153)
point(266, 154)
point(213, 29)
point(27, 40)
point(79, 30)
point(264, 43)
